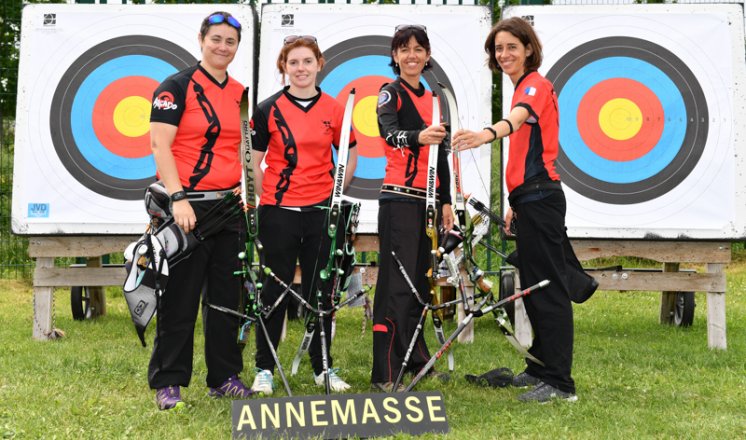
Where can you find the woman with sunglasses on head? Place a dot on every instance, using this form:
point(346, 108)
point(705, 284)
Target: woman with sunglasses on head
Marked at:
point(195, 136)
point(405, 109)
point(293, 132)
point(537, 204)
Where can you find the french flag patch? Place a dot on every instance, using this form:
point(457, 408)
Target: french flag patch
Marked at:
point(530, 91)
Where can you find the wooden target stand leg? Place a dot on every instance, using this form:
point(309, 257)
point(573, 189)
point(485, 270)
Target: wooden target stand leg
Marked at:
point(43, 303)
point(668, 299)
point(522, 328)
point(94, 276)
point(716, 311)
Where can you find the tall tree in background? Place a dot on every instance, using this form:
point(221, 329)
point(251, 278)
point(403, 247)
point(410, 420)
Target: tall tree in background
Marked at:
point(10, 33)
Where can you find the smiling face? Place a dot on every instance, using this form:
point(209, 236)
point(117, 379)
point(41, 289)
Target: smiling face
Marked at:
point(301, 67)
point(411, 59)
point(219, 46)
point(511, 55)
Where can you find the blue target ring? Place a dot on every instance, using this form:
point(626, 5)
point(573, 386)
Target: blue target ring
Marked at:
point(82, 114)
point(369, 168)
point(629, 171)
point(71, 125)
point(683, 135)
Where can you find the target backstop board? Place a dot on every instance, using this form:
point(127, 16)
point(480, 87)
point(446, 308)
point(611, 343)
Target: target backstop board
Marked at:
point(86, 78)
point(651, 117)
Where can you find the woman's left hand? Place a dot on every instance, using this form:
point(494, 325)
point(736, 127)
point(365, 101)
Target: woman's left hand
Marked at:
point(447, 222)
point(466, 139)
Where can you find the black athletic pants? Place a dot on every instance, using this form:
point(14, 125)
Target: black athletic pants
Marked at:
point(288, 237)
point(211, 265)
point(396, 311)
point(541, 233)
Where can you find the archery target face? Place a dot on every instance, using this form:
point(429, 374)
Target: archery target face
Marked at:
point(101, 133)
point(647, 133)
point(86, 85)
point(356, 44)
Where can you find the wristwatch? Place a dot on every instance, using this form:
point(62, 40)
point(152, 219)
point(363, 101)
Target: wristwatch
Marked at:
point(178, 195)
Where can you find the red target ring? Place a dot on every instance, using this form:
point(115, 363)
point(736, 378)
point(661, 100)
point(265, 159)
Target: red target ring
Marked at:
point(118, 116)
point(647, 130)
point(364, 117)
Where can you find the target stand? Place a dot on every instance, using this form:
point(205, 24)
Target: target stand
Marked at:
point(91, 277)
point(677, 286)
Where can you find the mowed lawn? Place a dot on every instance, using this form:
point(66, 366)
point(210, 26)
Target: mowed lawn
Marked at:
point(636, 379)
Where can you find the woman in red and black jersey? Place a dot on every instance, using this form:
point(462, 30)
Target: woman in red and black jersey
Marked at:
point(195, 135)
point(537, 204)
point(405, 109)
point(293, 132)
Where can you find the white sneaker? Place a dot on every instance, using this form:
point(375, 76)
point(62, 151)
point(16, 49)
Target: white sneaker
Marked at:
point(335, 382)
point(263, 382)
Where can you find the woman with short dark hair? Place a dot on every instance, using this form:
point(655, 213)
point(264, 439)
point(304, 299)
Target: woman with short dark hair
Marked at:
point(405, 109)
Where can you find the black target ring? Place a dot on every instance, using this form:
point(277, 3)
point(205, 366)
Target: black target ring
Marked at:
point(69, 87)
point(696, 117)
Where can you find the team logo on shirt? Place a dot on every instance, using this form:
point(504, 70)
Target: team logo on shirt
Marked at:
point(164, 101)
point(327, 126)
point(383, 98)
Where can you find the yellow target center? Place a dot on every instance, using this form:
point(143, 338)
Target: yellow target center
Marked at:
point(620, 119)
point(132, 116)
point(364, 116)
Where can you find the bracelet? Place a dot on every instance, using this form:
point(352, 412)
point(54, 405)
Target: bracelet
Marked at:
point(491, 130)
point(178, 195)
point(510, 125)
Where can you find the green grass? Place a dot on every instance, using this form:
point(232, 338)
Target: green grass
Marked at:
point(635, 378)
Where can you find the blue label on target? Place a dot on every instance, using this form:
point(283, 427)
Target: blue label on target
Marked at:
point(38, 210)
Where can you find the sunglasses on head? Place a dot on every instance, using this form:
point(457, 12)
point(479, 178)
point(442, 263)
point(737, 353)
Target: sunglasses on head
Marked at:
point(290, 39)
point(404, 27)
point(220, 18)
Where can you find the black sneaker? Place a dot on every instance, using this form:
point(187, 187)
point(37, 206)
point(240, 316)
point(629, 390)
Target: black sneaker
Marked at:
point(544, 393)
point(524, 380)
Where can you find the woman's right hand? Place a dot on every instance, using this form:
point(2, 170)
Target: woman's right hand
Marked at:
point(184, 215)
point(432, 135)
point(465, 139)
point(508, 221)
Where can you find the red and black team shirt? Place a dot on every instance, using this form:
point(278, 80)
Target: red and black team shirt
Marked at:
point(534, 146)
point(403, 112)
point(209, 134)
point(297, 142)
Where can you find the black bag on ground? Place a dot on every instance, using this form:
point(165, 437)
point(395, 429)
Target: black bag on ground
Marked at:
point(497, 378)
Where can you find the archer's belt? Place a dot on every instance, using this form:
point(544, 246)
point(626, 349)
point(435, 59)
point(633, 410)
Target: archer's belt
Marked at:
point(405, 190)
point(207, 196)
